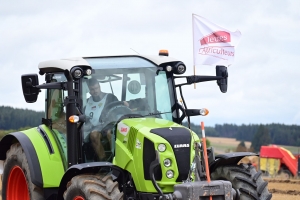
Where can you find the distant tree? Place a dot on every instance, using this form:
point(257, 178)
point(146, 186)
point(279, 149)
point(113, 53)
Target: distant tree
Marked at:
point(227, 130)
point(5, 132)
point(261, 137)
point(251, 149)
point(208, 144)
point(15, 118)
point(241, 147)
point(209, 131)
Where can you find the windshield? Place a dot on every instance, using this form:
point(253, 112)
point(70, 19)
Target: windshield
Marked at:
point(123, 86)
point(134, 82)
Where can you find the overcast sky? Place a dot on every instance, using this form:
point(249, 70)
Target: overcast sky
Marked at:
point(264, 79)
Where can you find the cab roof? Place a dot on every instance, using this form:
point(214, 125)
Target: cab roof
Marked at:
point(67, 64)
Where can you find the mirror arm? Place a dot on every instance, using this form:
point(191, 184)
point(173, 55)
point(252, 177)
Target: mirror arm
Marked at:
point(54, 85)
point(197, 79)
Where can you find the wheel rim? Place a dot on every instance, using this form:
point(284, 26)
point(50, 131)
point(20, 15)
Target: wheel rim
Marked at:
point(17, 187)
point(286, 175)
point(78, 198)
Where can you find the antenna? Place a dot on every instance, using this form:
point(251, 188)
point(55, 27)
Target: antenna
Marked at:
point(134, 51)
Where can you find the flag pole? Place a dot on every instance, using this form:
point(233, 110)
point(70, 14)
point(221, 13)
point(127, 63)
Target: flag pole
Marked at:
point(193, 49)
point(205, 155)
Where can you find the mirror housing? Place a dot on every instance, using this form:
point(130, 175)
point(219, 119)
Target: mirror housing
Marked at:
point(222, 83)
point(30, 91)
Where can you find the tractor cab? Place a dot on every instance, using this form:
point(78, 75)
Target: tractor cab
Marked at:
point(139, 90)
point(143, 87)
point(87, 97)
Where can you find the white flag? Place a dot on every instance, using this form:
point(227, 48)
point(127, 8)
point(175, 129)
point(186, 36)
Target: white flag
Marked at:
point(213, 45)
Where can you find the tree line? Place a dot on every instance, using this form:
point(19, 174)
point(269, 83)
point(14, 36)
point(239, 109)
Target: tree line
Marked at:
point(279, 134)
point(15, 118)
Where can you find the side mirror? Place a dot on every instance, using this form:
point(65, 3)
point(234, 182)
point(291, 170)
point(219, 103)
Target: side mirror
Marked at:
point(30, 92)
point(222, 83)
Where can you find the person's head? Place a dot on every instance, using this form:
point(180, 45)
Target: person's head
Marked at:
point(94, 87)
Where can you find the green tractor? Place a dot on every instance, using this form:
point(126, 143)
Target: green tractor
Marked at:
point(149, 154)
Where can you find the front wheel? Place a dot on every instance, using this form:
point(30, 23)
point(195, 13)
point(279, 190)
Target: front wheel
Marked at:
point(247, 182)
point(285, 173)
point(16, 180)
point(92, 187)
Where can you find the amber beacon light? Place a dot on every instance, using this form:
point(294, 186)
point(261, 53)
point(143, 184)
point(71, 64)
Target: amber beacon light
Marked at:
point(163, 53)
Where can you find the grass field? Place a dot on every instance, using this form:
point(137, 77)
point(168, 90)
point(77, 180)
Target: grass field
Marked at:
point(222, 145)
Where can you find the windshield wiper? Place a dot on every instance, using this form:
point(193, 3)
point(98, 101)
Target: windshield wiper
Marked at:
point(158, 113)
point(134, 115)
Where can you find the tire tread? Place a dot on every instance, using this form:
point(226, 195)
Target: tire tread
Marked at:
point(244, 178)
point(93, 187)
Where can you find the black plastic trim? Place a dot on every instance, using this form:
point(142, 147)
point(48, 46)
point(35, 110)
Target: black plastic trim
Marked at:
point(50, 193)
point(46, 139)
point(147, 196)
point(149, 156)
point(299, 165)
point(175, 136)
point(31, 155)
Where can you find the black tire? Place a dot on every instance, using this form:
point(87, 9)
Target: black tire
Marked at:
point(244, 178)
point(92, 187)
point(285, 173)
point(16, 180)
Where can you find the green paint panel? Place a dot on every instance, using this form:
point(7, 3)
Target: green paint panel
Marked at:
point(51, 164)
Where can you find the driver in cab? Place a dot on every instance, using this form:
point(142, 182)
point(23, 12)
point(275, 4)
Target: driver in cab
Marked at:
point(94, 112)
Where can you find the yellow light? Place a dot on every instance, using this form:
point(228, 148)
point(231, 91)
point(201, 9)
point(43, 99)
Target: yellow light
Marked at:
point(204, 111)
point(163, 52)
point(74, 119)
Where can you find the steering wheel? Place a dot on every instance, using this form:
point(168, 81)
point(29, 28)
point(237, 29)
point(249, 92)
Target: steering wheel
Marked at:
point(115, 110)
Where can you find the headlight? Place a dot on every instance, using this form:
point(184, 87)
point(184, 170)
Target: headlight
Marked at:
point(76, 72)
point(168, 68)
point(170, 174)
point(167, 162)
point(161, 147)
point(88, 72)
point(179, 68)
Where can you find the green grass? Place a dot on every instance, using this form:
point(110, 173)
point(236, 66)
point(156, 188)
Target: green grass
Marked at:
point(226, 147)
point(293, 149)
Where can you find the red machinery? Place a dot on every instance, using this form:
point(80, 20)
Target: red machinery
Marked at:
point(286, 162)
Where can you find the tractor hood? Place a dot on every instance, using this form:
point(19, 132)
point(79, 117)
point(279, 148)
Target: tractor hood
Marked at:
point(146, 123)
point(145, 138)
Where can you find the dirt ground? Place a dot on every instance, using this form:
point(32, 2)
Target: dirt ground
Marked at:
point(284, 189)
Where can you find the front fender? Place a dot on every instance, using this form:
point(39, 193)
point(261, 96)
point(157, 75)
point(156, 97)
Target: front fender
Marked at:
point(83, 168)
point(42, 154)
point(29, 150)
point(228, 159)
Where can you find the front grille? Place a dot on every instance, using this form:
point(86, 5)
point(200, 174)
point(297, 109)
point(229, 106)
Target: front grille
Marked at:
point(132, 138)
point(177, 136)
